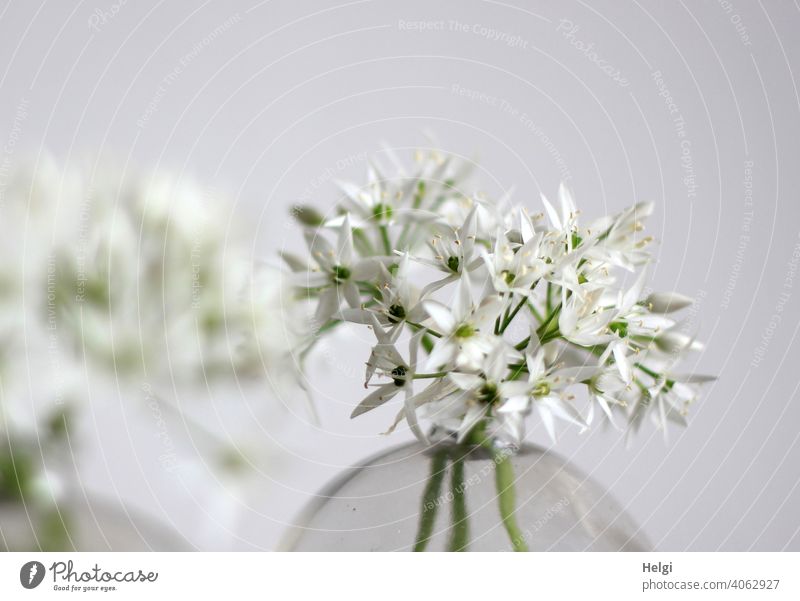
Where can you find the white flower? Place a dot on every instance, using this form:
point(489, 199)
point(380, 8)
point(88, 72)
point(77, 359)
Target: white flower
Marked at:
point(465, 332)
point(583, 320)
point(514, 269)
point(381, 202)
point(480, 392)
point(607, 389)
point(388, 362)
point(544, 389)
point(585, 329)
point(338, 271)
point(619, 245)
point(563, 222)
point(398, 300)
point(453, 252)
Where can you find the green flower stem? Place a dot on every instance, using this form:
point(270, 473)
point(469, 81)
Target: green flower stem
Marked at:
point(362, 243)
point(507, 321)
point(536, 313)
point(501, 318)
point(509, 317)
point(419, 326)
point(438, 374)
point(459, 534)
point(546, 331)
point(648, 371)
point(387, 244)
point(430, 500)
point(504, 479)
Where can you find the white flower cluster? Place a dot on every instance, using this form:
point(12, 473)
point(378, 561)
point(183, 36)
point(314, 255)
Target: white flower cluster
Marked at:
point(110, 279)
point(140, 273)
point(503, 312)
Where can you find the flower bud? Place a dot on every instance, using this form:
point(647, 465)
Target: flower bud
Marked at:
point(667, 302)
point(308, 216)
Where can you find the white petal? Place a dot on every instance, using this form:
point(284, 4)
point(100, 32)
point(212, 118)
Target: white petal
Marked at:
point(321, 250)
point(562, 409)
point(465, 381)
point(345, 243)
point(623, 364)
point(516, 404)
point(567, 203)
point(462, 305)
point(547, 420)
point(410, 410)
point(441, 315)
point(328, 305)
point(631, 297)
point(442, 354)
point(350, 292)
point(552, 215)
point(377, 398)
point(471, 419)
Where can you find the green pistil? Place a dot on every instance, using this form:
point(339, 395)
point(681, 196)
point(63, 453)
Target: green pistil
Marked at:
point(341, 274)
point(465, 330)
point(619, 327)
point(541, 389)
point(397, 313)
point(488, 393)
point(382, 212)
point(399, 375)
point(508, 277)
point(453, 263)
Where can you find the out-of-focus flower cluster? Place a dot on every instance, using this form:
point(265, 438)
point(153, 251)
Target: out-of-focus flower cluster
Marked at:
point(486, 312)
point(134, 279)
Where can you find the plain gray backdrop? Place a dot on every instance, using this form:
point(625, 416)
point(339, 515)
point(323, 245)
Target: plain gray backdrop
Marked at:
point(693, 105)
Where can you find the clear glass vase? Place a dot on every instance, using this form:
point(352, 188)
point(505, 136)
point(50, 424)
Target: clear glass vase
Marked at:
point(451, 497)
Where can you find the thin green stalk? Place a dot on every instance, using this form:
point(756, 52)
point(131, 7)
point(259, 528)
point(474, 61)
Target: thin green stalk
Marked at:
point(362, 243)
point(440, 374)
point(501, 318)
point(545, 330)
point(648, 371)
point(507, 321)
point(504, 479)
point(459, 534)
point(419, 326)
point(536, 313)
point(510, 317)
point(431, 500)
point(387, 244)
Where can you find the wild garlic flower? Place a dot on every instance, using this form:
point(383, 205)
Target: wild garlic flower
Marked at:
point(508, 312)
point(465, 332)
